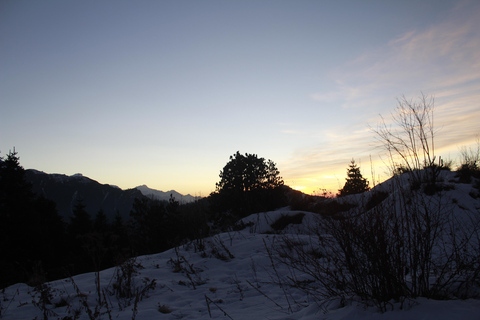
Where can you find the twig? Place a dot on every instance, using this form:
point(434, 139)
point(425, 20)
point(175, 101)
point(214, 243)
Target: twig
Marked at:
point(280, 282)
point(264, 294)
point(208, 300)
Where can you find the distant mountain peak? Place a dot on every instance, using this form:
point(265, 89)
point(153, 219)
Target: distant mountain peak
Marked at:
point(165, 195)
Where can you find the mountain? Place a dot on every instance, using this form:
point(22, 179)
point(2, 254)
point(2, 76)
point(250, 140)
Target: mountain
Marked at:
point(280, 264)
point(67, 190)
point(240, 274)
point(161, 195)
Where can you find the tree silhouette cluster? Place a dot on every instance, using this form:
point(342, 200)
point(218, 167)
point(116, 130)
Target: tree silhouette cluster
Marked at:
point(30, 228)
point(37, 245)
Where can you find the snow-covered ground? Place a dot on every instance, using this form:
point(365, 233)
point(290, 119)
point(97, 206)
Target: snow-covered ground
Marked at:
point(228, 276)
point(240, 287)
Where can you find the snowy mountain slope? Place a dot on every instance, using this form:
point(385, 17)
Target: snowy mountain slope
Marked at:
point(244, 287)
point(232, 275)
point(232, 278)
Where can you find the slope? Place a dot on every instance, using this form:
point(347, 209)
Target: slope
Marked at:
point(233, 275)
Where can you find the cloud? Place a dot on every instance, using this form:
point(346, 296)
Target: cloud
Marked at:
point(442, 60)
point(445, 56)
point(332, 155)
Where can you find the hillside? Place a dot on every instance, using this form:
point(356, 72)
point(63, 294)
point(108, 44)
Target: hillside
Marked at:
point(246, 274)
point(66, 190)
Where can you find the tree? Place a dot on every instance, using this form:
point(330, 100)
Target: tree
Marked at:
point(248, 172)
point(100, 224)
point(15, 192)
point(149, 225)
point(31, 231)
point(247, 184)
point(355, 183)
point(81, 221)
point(172, 206)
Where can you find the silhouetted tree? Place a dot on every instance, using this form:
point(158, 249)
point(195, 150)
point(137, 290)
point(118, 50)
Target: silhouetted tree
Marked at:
point(248, 172)
point(150, 225)
point(100, 224)
point(81, 222)
point(172, 207)
point(31, 231)
point(246, 185)
point(15, 193)
point(355, 182)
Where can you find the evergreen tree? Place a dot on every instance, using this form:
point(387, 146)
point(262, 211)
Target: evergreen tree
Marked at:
point(15, 192)
point(81, 222)
point(149, 225)
point(100, 224)
point(172, 206)
point(355, 182)
point(118, 224)
point(31, 231)
point(273, 179)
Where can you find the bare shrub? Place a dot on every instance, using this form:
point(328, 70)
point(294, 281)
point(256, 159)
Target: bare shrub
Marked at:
point(42, 299)
point(180, 264)
point(407, 242)
point(401, 249)
point(125, 286)
point(470, 166)
point(410, 139)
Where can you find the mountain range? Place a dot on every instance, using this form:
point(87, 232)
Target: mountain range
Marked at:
point(161, 195)
point(66, 191)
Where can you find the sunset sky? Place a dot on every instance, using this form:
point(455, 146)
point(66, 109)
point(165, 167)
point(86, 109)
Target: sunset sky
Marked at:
point(163, 92)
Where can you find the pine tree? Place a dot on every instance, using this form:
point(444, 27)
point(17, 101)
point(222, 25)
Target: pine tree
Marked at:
point(81, 223)
point(355, 182)
point(100, 224)
point(31, 231)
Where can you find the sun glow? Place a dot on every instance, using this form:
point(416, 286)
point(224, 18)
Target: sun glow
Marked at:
point(299, 188)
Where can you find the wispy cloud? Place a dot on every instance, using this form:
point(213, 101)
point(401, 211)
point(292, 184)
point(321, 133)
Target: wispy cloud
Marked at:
point(442, 60)
point(444, 57)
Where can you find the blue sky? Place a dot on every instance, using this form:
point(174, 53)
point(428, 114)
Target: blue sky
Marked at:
point(163, 92)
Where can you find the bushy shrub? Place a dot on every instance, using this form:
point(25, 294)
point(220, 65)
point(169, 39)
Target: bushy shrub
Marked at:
point(470, 166)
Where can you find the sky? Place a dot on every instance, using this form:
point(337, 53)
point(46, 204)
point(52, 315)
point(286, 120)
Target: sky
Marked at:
point(163, 92)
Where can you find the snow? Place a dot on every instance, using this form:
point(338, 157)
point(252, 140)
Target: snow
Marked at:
point(231, 278)
point(244, 287)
